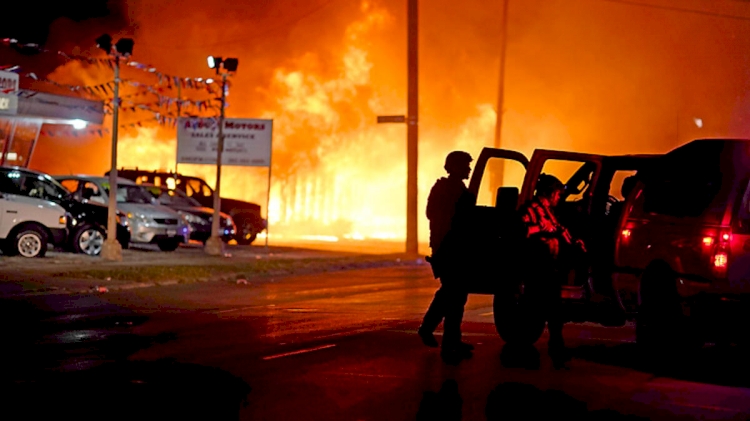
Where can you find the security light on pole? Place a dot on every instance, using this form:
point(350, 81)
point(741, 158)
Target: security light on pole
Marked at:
point(112, 250)
point(214, 245)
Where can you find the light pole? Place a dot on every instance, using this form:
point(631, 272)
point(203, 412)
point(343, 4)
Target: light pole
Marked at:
point(214, 245)
point(498, 170)
point(112, 250)
point(412, 129)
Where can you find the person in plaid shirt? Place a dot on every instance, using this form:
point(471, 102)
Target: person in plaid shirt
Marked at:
point(545, 236)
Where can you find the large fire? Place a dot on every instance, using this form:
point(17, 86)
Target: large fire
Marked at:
point(324, 71)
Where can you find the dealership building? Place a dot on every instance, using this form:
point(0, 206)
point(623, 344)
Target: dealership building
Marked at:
point(24, 112)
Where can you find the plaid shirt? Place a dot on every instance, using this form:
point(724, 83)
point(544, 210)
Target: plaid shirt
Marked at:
point(536, 216)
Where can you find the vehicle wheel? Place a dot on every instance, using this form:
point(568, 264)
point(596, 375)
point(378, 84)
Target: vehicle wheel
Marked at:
point(246, 232)
point(29, 241)
point(89, 240)
point(660, 323)
point(516, 319)
point(168, 245)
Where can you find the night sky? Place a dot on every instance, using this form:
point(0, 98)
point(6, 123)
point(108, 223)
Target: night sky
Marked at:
point(36, 29)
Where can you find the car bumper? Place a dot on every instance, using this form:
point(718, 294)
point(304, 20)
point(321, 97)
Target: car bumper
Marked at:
point(151, 233)
point(202, 234)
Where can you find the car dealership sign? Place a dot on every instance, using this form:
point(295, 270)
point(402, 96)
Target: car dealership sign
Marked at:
point(8, 88)
point(247, 142)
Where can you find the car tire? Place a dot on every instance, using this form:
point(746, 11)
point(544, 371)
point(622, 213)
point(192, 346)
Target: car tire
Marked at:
point(660, 325)
point(517, 321)
point(168, 245)
point(89, 240)
point(246, 233)
point(29, 241)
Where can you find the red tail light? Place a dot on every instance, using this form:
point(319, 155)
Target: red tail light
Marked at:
point(721, 259)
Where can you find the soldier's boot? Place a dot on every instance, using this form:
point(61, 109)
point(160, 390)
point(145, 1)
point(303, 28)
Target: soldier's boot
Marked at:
point(428, 338)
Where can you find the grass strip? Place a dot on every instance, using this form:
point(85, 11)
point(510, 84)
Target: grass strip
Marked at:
point(248, 269)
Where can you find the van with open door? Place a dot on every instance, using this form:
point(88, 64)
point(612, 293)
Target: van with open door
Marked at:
point(592, 208)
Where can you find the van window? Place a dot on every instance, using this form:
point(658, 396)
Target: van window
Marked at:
point(576, 175)
point(512, 176)
point(685, 194)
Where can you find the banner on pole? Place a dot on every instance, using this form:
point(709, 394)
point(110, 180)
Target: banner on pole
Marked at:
point(247, 142)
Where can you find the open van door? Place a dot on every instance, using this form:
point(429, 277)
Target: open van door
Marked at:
point(496, 183)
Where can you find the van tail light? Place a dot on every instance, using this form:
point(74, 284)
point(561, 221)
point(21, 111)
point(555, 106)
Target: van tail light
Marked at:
point(720, 257)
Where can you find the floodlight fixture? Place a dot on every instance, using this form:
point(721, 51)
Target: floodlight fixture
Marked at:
point(214, 62)
point(105, 43)
point(230, 64)
point(124, 46)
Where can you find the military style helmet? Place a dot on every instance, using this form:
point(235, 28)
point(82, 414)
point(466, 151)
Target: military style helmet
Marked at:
point(456, 160)
point(548, 184)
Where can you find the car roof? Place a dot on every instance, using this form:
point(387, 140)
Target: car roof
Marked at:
point(94, 178)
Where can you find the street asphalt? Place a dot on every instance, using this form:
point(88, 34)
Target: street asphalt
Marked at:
point(330, 346)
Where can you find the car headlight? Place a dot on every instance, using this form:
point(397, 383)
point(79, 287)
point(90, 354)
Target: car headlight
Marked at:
point(189, 218)
point(137, 217)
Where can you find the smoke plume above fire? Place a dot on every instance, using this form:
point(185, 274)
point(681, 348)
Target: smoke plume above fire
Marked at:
point(590, 75)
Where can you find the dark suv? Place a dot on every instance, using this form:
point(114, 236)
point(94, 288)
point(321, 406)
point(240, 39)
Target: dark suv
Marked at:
point(246, 215)
point(683, 250)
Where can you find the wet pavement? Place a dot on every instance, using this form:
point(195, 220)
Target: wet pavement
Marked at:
point(338, 346)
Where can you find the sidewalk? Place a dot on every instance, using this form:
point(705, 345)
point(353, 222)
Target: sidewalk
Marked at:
point(66, 273)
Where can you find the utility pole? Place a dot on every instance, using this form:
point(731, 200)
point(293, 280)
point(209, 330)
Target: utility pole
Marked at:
point(412, 130)
point(499, 168)
point(111, 249)
point(214, 246)
point(179, 114)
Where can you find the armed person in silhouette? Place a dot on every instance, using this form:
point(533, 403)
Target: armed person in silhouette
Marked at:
point(448, 202)
point(545, 238)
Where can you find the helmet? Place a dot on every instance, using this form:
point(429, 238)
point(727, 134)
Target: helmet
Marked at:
point(456, 161)
point(548, 184)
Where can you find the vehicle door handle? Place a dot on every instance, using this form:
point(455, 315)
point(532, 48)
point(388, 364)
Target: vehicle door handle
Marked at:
point(11, 211)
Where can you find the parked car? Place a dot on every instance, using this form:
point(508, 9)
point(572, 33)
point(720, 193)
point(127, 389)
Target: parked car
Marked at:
point(150, 223)
point(29, 221)
point(199, 217)
point(87, 222)
point(246, 215)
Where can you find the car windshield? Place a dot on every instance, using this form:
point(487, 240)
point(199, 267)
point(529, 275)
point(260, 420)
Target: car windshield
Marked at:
point(131, 194)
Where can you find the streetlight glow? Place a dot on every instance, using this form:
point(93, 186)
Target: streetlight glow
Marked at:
point(78, 124)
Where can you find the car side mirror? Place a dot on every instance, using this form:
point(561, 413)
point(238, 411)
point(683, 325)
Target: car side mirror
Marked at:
point(507, 198)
